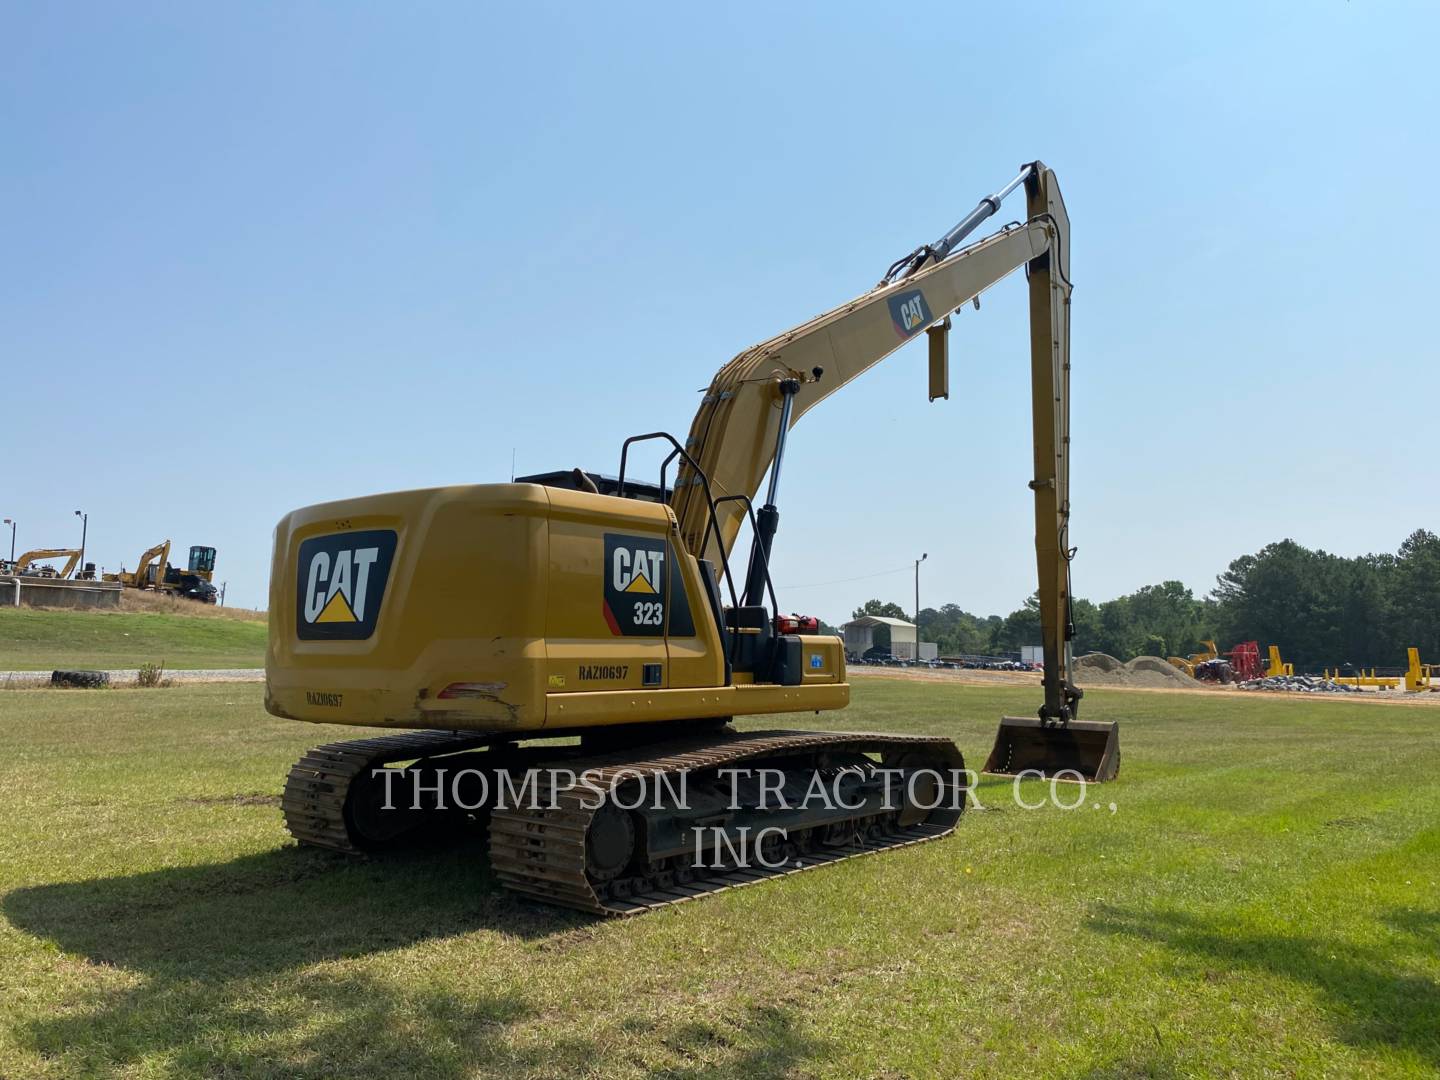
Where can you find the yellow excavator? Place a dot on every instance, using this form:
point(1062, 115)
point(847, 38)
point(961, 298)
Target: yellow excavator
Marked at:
point(585, 640)
point(1188, 664)
point(21, 566)
point(153, 571)
point(149, 569)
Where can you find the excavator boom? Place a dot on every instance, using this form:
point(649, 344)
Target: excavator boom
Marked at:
point(157, 556)
point(70, 555)
point(739, 431)
point(734, 435)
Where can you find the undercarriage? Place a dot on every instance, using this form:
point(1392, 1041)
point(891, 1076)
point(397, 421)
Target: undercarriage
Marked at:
point(622, 821)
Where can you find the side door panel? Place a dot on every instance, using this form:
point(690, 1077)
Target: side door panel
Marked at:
point(693, 639)
point(605, 620)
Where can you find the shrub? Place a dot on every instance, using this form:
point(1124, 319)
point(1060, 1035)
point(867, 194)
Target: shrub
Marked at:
point(150, 676)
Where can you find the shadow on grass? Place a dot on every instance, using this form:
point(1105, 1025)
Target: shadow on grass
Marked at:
point(1373, 1002)
point(278, 909)
point(229, 955)
point(221, 944)
point(1422, 925)
point(763, 1042)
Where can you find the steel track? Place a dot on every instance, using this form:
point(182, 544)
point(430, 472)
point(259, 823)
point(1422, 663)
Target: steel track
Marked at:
point(540, 850)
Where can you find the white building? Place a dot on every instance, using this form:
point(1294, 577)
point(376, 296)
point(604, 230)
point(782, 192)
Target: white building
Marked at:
point(860, 636)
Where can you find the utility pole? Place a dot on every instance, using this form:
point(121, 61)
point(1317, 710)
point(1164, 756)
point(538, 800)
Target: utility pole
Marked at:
point(84, 530)
point(11, 523)
point(222, 592)
point(923, 556)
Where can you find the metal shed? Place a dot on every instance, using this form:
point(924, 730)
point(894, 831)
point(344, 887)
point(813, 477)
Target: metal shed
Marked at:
point(860, 635)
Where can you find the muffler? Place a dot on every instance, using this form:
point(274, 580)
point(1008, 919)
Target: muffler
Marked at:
point(1080, 749)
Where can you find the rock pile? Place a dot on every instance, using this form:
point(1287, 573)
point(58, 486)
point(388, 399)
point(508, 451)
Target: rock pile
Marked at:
point(1101, 669)
point(1306, 684)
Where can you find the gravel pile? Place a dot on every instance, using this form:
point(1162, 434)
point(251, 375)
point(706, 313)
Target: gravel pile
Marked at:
point(1101, 669)
point(1306, 684)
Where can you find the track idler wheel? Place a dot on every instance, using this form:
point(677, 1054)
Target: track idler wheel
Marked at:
point(921, 792)
point(609, 843)
point(374, 827)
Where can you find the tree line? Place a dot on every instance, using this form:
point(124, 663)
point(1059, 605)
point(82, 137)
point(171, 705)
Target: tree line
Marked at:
point(1323, 610)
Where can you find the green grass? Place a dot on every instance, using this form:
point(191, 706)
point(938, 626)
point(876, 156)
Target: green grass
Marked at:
point(1263, 901)
point(35, 640)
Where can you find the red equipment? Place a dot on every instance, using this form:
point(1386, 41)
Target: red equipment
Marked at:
point(1245, 661)
point(797, 624)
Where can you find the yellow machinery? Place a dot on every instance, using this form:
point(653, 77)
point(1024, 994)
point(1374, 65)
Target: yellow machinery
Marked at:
point(1418, 677)
point(21, 566)
point(1188, 664)
point(569, 605)
point(1362, 677)
point(153, 571)
point(149, 569)
point(1278, 667)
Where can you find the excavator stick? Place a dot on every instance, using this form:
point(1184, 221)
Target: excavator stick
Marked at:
point(1055, 742)
point(1080, 749)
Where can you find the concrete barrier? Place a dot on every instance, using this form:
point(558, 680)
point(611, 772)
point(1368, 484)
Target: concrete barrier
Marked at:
point(50, 592)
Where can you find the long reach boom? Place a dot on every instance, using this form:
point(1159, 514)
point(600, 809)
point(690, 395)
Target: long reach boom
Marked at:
point(739, 432)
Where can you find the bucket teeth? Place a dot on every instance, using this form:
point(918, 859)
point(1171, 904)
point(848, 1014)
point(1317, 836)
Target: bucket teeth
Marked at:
point(1080, 749)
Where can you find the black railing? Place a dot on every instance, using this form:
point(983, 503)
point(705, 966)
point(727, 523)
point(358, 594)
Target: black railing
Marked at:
point(712, 524)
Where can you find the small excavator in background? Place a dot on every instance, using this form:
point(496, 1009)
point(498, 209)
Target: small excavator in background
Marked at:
point(1240, 664)
point(149, 569)
point(1189, 664)
point(606, 613)
point(21, 567)
point(153, 571)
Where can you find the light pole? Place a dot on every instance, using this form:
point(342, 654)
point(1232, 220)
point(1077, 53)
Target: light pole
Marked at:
point(84, 530)
point(11, 523)
point(923, 556)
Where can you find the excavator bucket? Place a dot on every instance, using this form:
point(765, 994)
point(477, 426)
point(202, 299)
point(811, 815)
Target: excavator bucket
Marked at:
point(1089, 748)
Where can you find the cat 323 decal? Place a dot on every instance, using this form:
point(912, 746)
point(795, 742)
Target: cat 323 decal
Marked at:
point(637, 587)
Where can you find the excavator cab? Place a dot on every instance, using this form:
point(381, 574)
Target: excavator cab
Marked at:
point(202, 561)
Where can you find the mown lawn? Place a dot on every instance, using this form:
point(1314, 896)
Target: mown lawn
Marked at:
point(1262, 901)
point(37, 639)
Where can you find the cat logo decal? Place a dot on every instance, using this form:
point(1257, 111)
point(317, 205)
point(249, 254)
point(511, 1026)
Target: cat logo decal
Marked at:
point(909, 312)
point(340, 584)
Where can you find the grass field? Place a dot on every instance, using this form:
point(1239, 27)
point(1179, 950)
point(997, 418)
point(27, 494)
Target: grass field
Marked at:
point(1262, 901)
point(177, 633)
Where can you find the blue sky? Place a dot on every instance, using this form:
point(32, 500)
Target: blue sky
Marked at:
point(260, 256)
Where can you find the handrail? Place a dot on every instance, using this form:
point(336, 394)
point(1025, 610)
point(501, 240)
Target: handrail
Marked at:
point(711, 523)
